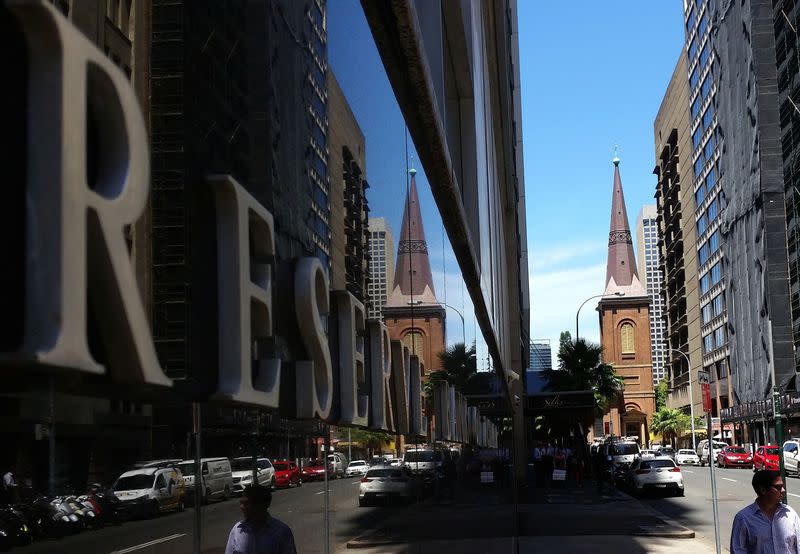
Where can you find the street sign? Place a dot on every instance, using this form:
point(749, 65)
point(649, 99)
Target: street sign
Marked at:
point(705, 388)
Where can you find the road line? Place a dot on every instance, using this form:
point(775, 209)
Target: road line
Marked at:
point(688, 471)
point(320, 492)
point(151, 543)
point(734, 480)
point(793, 494)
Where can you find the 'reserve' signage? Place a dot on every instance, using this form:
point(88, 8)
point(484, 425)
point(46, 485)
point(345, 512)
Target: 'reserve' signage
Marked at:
point(76, 253)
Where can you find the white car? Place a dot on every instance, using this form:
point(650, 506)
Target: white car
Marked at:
point(394, 462)
point(243, 473)
point(216, 474)
point(687, 456)
point(356, 467)
point(386, 483)
point(647, 454)
point(148, 491)
point(661, 473)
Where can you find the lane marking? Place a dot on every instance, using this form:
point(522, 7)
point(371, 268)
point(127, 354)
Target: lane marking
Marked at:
point(151, 543)
point(688, 471)
point(320, 492)
point(793, 494)
point(734, 480)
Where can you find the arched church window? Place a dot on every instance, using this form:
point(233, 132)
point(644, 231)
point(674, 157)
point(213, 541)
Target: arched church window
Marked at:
point(626, 338)
point(414, 340)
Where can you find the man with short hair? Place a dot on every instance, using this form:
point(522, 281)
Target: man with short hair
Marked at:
point(10, 490)
point(259, 532)
point(767, 526)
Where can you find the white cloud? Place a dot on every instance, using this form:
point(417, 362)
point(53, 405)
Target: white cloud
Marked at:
point(555, 298)
point(557, 254)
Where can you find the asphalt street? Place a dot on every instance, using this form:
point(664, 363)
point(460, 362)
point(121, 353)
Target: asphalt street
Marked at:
point(695, 510)
point(302, 508)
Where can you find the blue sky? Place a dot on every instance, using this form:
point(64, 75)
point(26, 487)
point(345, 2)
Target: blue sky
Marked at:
point(591, 77)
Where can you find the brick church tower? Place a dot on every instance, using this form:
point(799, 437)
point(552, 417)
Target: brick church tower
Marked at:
point(412, 313)
point(625, 327)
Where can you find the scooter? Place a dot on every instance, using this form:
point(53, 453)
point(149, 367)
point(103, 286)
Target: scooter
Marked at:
point(44, 518)
point(105, 504)
point(76, 523)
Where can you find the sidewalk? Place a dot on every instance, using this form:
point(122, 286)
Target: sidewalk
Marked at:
point(569, 519)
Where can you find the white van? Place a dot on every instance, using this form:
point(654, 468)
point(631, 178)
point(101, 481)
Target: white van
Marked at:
point(339, 463)
point(217, 477)
point(149, 491)
point(702, 450)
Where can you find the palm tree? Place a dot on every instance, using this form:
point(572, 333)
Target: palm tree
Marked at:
point(670, 423)
point(459, 365)
point(580, 367)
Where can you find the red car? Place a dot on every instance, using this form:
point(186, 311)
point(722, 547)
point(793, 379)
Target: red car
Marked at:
point(287, 474)
point(315, 471)
point(734, 456)
point(766, 457)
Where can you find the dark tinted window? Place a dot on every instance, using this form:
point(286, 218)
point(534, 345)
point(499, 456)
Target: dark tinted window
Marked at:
point(625, 449)
point(281, 466)
point(737, 450)
point(134, 482)
point(772, 451)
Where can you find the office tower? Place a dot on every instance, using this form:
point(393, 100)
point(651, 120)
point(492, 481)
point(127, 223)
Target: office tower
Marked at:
point(675, 205)
point(647, 238)
point(541, 355)
point(381, 267)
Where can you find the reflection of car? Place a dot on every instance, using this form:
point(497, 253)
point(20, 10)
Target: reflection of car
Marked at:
point(734, 456)
point(623, 454)
point(356, 467)
point(661, 473)
point(394, 462)
point(315, 471)
point(148, 491)
point(766, 457)
point(647, 454)
point(217, 478)
point(339, 463)
point(666, 452)
point(791, 454)
point(243, 473)
point(702, 450)
point(287, 474)
point(386, 483)
point(687, 456)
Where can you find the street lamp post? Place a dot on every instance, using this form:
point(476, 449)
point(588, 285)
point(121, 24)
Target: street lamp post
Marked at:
point(691, 397)
point(456, 310)
point(578, 313)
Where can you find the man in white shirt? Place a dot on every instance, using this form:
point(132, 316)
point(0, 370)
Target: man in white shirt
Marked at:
point(767, 526)
point(10, 485)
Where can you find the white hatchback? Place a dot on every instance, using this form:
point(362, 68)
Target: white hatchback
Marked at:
point(687, 456)
point(661, 473)
point(356, 467)
point(386, 483)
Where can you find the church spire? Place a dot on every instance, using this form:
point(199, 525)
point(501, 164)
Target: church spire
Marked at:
point(621, 273)
point(413, 281)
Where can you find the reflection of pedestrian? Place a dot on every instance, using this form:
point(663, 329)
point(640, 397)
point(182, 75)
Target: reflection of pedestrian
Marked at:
point(259, 532)
point(10, 488)
point(766, 525)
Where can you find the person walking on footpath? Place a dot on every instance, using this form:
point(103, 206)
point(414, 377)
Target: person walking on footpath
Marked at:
point(10, 489)
point(259, 532)
point(767, 526)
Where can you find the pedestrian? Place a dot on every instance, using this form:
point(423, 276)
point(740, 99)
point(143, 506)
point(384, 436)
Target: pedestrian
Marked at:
point(767, 525)
point(259, 532)
point(538, 469)
point(10, 488)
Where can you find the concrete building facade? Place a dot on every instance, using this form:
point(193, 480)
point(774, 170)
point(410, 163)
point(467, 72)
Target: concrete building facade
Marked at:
point(381, 266)
point(675, 205)
point(647, 255)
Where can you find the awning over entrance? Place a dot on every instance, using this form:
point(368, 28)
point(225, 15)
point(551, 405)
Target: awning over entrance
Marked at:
point(569, 400)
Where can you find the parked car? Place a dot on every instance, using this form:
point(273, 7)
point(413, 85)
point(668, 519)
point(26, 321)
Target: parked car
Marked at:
point(339, 462)
point(661, 473)
point(666, 452)
point(687, 456)
point(217, 477)
point(315, 471)
point(149, 491)
point(647, 454)
point(766, 457)
point(287, 474)
point(387, 483)
point(791, 455)
point(703, 453)
point(394, 462)
point(242, 473)
point(622, 454)
point(357, 467)
point(734, 456)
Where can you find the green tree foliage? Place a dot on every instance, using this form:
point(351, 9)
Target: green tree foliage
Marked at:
point(661, 394)
point(459, 367)
point(372, 440)
point(670, 423)
point(580, 367)
point(564, 339)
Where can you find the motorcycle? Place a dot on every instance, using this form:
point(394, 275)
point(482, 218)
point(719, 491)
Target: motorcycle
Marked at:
point(45, 519)
point(15, 526)
point(104, 503)
point(76, 522)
